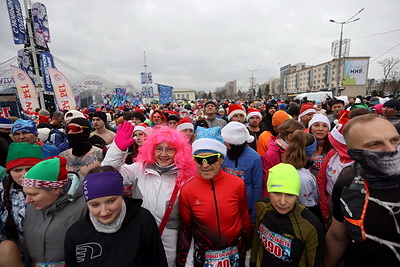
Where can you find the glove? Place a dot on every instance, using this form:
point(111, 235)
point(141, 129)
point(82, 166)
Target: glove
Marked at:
point(124, 139)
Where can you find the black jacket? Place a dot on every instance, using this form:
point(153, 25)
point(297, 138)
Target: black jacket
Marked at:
point(136, 243)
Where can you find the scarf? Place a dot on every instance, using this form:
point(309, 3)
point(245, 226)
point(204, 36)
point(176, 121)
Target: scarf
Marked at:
point(112, 227)
point(381, 169)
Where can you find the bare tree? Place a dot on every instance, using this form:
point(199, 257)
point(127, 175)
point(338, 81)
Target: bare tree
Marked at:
point(389, 66)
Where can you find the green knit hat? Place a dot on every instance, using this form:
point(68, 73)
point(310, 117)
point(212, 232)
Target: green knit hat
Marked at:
point(23, 154)
point(49, 173)
point(283, 178)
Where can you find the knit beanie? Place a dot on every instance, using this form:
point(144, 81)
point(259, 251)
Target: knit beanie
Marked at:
point(253, 112)
point(49, 173)
point(235, 133)
point(392, 103)
point(139, 115)
point(5, 123)
point(319, 118)
point(103, 184)
point(279, 117)
point(22, 154)
point(305, 109)
point(25, 126)
point(337, 131)
point(235, 109)
point(283, 178)
point(209, 140)
point(101, 115)
point(185, 123)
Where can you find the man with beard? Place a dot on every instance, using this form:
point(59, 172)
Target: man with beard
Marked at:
point(266, 121)
point(366, 197)
point(5, 139)
point(82, 156)
point(243, 162)
point(254, 118)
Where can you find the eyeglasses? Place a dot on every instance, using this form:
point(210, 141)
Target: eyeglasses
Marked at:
point(156, 117)
point(210, 159)
point(74, 128)
point(168, 150)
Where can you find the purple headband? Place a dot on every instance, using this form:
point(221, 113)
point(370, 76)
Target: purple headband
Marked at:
point(102, 184)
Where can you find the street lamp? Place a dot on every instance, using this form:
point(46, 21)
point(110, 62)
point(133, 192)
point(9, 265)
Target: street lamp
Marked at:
point(348, 21)
point(252, 90)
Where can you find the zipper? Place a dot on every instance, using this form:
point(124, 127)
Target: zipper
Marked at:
point(216, 208)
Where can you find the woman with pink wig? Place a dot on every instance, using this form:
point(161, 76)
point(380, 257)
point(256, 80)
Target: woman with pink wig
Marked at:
point(164, 163)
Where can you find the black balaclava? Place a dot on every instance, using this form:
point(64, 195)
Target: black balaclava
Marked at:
point(80, 142)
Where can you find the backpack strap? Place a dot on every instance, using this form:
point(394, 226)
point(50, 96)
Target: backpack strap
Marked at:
point(360, 222)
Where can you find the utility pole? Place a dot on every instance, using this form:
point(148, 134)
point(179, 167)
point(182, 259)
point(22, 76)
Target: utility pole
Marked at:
point(338, 76)
point(32, 49)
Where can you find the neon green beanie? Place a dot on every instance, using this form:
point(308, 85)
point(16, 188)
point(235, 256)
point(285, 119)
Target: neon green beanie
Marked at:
point(283, 178)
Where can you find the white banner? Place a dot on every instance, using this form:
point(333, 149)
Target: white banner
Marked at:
point(26, 90)
point(62, 90)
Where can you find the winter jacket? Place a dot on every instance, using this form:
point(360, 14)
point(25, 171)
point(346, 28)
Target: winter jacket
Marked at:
point(293, 239)
point(136, 243)
point(247, 167)
point(272, 157)
point(216, 212)
point(154, 189)
point(18, 208)
point(44, 230)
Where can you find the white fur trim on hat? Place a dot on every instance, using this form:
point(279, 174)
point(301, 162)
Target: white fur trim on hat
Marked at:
point(254, 113)
point(208, 144)
point(305, 112)
point(319, 118)
point(337, 135)
point(236, 111)
point(5, 126)
point(139, 128)
point(183, 126)
point(235, 133)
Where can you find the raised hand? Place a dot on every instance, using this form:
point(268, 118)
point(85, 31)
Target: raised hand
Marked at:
point(124, 139)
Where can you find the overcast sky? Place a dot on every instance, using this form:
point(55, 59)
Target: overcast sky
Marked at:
point(203, 44)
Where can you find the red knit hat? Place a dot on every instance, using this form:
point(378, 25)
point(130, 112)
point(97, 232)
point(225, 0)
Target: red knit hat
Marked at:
point(185, 123)
point(235, 109)
point(251, 112)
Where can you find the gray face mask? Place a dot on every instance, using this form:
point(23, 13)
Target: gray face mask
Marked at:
point(380, 169)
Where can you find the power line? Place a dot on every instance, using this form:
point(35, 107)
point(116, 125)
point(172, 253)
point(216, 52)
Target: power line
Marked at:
point(385, 53)
point(377, 34)
point(8, 60)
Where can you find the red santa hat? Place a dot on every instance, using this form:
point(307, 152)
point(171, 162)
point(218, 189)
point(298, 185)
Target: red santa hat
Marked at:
point(185, 123)
point(141, 127)
point(253, 112)
point(305, 109)
point(337, 131)
point(235, 109)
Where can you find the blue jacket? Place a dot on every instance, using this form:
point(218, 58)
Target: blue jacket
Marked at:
point(49, 151)
point(248, 168)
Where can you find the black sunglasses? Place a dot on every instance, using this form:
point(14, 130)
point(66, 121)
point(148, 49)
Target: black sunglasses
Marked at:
point(210, 159)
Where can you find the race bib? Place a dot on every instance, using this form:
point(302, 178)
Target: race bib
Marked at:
point(278, 245)
point(228, 257)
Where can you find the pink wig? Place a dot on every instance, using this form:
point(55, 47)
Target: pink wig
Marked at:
point(183, 158)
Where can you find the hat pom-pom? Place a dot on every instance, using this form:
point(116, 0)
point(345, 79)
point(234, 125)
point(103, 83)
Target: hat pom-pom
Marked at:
point(336, 121)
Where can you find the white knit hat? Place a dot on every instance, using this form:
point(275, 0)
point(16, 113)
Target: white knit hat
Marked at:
point(319, 118)
point(235, 133)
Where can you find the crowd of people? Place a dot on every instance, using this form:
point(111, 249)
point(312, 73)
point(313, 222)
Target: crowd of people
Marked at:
point(203, 183)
